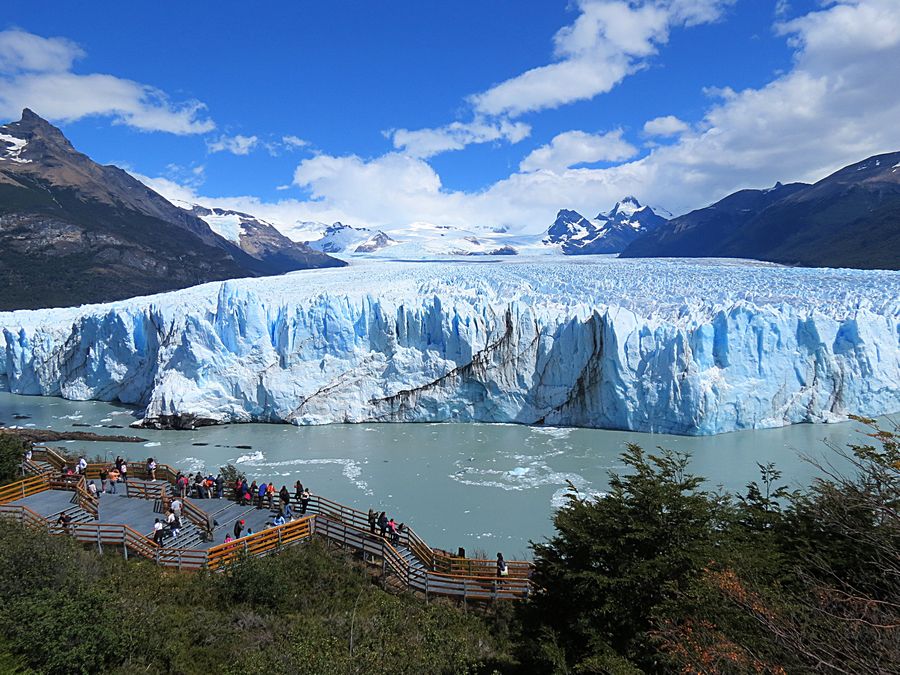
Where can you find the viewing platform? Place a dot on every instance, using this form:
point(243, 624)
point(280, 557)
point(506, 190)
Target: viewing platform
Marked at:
point(123, 522)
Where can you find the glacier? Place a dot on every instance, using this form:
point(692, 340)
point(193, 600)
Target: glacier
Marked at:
point(674, 346)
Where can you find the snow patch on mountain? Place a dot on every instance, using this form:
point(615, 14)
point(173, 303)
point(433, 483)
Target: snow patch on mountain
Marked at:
point(228, 226)
point(13, 149)
point(689, 347)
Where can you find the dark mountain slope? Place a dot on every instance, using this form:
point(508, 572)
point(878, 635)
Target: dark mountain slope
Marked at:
point(74, 232)
point(849, 219)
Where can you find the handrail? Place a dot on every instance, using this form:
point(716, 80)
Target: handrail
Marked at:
point(23, 488)
point(197, 516)
point(259, 543)
point(85, 500)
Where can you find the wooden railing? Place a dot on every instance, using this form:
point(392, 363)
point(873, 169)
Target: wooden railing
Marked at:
point(260, 543)
point(23, 488)
point(467, 587)
point(85, 500)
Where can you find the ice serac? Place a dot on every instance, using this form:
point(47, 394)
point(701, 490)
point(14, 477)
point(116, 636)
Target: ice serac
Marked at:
point(657, 346)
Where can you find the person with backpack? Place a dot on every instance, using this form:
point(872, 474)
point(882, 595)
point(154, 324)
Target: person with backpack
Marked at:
point(174, 524)
point(284, 496)
point(382, 523)
point(270, 495)
point(261, 495)
point(238, 528)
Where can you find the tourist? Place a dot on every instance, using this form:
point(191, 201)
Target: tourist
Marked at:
point(123, 470)
point(220, 486)
point(284, 495)
point(65, 520)
point(104, 476)
point(118, 463)
point(174, 524)
point(279, 519)
point(288, 513)
point(183, 486)
point(177, 506)
point(392, 530)
point(373, 520)
point(92, 490)
point(228, 539)
point(304, 501)
point(158, 532)
point(261, 495)
point(198, 485)
point(151, 468)
point(82, 466)
point(238, 528)
point(298, 490)
point(113, 475)
point(270, 495)
point(502, 569)
point(399, 532)
point(382, 523)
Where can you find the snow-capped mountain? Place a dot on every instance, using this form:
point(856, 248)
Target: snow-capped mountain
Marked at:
point(609, 232)
point(341, 238)
point(255, 236)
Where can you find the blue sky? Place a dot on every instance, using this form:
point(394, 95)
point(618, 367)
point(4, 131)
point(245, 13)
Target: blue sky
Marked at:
point(321, 111)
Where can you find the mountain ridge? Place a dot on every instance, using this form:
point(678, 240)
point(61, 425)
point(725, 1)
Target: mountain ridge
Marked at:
point(850, 218)
point(73, 231)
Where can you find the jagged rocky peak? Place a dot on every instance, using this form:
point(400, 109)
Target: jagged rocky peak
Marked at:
point(609, 232)
point(376, 242)
point(568, 224)
point(34, 140)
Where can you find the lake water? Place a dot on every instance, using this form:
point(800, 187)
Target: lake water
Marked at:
point(482, 486)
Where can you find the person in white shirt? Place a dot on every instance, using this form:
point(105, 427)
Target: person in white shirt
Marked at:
point(158, 532)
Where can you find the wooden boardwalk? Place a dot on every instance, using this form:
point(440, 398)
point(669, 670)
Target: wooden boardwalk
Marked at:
point(124, 522)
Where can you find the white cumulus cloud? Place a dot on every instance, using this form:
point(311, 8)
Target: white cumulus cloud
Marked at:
point(668, 125)
point(578, 147)
point(456, 136)
point(609, 40)
point(36, 73)
point(236, 145)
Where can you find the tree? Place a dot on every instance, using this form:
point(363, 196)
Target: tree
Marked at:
point(12, 452)
point(614, 564)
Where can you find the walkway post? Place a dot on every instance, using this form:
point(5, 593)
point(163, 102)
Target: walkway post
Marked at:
point(99, 544)
point(125, 543)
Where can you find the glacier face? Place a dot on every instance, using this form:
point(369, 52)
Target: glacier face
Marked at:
point(674, 346)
